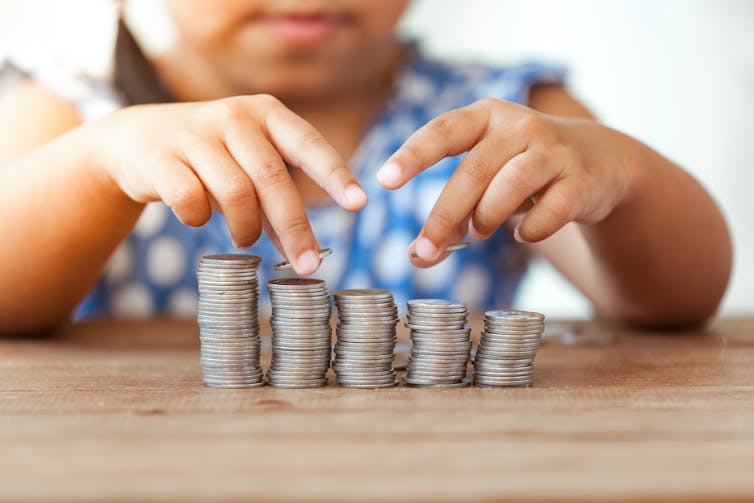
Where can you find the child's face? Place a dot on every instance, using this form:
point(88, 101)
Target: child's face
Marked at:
point(294, 48)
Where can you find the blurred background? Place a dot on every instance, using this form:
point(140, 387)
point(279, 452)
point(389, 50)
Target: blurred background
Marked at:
point(676, 74)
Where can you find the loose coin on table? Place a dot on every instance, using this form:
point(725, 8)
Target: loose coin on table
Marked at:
point(366, 338)
point(228, 322)
point(507, 348)
point(301, 333)
point(440, 343)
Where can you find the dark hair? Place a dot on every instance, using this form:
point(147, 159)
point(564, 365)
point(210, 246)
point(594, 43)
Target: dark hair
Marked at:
point(134, 75)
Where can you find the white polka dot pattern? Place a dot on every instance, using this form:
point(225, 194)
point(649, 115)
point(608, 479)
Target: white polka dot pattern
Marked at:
point(183, 303)
point(121, 263)
point(166, 261)
point(472, 285)
point(133, 301)
point(152, 220)
point(391, 262)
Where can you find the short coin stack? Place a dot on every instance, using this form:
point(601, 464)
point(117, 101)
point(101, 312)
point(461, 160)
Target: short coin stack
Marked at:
point(228, 322)
point(301, 333)
point(441, 343)
point(366, 338)
point(507, 347)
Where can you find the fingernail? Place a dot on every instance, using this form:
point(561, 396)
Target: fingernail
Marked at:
point(517, 236)
point(426, 249)
point(355, 195)
point(307, 262)
point(474, 231)
point(389, 175)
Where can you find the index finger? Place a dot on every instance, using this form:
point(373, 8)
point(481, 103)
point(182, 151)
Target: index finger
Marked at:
point(301, 145)
point(449, 134)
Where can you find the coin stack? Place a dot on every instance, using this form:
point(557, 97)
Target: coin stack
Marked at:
point(228, 321)
point(301, 333)
point(441, 343)
point(366, 338)
point(507, 347)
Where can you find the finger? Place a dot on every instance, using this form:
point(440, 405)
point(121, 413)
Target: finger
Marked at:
point(462, 194)
point(230, 186)
point(458, 235)
point(449, 134)
point(178, 187)
point(524, 207)
point(278, 197)
point(520, 178)
point(272, 235)
point(559, 205)
point(302, 146)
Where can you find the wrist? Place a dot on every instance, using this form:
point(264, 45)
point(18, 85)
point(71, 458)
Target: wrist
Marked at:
point(98, 163)
point(631, 166)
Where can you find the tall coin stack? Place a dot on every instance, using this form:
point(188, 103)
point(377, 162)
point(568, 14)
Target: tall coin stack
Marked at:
point(228, 321)
point(441, 343)
point(301, 333)
point(507, 347)
point(366, 338)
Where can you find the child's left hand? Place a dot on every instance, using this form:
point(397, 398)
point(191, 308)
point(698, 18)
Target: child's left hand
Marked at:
point(569, 167)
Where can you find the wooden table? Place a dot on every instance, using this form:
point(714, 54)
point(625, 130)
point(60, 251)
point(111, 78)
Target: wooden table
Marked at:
point(117, 411)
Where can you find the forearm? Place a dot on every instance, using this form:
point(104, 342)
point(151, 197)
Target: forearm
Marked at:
point(61, 218)
point(663, 256)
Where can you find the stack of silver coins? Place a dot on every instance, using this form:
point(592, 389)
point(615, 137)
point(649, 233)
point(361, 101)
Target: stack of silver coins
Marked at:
point(301, 333)
point(228, 321)
point(507, 347)
point(366, 338)
point(440, 343)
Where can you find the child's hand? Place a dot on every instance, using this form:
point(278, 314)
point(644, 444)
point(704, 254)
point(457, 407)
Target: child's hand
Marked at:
point(514, 154)
point(228, 155)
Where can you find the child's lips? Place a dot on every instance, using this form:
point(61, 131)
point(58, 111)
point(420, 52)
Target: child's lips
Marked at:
point(303, 30)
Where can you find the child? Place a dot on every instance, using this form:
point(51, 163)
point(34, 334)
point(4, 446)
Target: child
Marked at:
point(252, 114)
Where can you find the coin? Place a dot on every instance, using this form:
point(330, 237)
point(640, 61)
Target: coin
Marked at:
point(228, 323)
point(366, 338)
point(448, 249)
point(301, 333)
point(440, 343)
point(507, 348)
point(285, 265)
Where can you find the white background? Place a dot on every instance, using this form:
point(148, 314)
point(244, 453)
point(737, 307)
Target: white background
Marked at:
point(677, 74)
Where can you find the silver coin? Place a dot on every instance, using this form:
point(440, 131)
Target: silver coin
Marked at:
point(296, 284)
point(223, 384)
point(224, 355)
point(285, 385)
point(366, 337)
point(493, 386)
point(508, 336)
point(440, 342)
point(301, 332)
point(503, 383)
point(355, 378)
point(370, 385)
point(448, 249)
point(285, 265)
point(227, 314)
point(365, 372)
point(419, 384)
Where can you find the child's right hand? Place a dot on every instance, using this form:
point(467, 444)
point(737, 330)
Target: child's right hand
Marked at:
point(228, 155)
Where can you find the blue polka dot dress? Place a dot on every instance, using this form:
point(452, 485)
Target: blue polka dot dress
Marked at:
point(153, 271)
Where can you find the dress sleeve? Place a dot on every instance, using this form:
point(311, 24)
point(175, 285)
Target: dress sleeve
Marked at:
point(514, 83)
point(92, 96)
point(10, 75)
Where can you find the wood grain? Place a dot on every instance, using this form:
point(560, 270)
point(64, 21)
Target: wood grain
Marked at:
point(117, 412)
